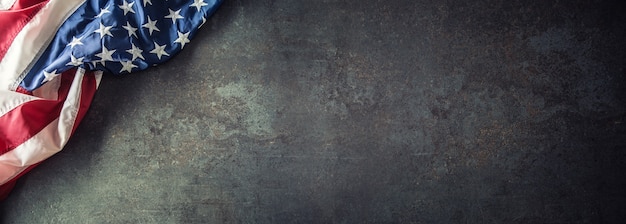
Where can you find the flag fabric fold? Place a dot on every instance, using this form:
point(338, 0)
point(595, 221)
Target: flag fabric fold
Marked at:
point(53, 54)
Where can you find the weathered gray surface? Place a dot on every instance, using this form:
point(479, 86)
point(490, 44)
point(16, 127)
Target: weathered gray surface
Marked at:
point(358, 112)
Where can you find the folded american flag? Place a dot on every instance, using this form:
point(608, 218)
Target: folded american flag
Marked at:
point(53, 53)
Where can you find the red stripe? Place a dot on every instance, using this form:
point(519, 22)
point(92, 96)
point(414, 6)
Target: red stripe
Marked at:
point(23, 4)
point(14, 19)
point(88, 90)
point(21, 89)
point(28, 119)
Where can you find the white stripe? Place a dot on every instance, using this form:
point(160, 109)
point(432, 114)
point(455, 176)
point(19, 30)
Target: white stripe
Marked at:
point(98, 75)
point(9, 100)
point(32, 39)
point(48, 141)
point(6, 4)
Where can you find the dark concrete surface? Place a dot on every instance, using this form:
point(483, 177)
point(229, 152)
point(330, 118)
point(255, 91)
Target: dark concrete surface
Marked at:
point(367, 111)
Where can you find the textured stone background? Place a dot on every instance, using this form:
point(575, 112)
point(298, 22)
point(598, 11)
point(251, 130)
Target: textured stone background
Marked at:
point(370, 111)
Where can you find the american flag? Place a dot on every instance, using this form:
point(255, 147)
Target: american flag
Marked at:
point(53, 54)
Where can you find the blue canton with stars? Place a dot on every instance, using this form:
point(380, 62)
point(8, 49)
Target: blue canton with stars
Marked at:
point(120, 36)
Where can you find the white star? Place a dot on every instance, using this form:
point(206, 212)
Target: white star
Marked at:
point(131, 30)
point(75, 61)
point(174, 15)
point(159, 50)
point(127, 66)
point(146, 1)
point(104, 30)
point(49, 75)
point(102, 12)
point(127, 7)
point(198, 4)
point(75, 41)
point(136, 52)
point(203, 21)
point(151, 25)
point(182, 39)
point(105, 55)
